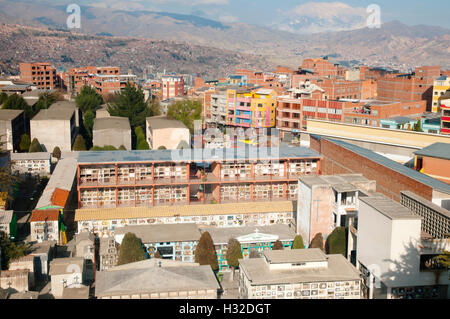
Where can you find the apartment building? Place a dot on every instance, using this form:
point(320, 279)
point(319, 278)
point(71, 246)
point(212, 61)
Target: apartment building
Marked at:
point(445, 119)
point(41, 75)
point(13, 124)
point(251, 108)
point(55, 127)
point(336, 89)
point(327, 202)
point(322, 67)
point(172, 86)
point(79, 77)
point(298, 274)
point(109, 84)
point(434, 161)
point(183, 177)
point(218, 109)
point(112, 130)
point(395, 256)
point(440, 87)
point(410, 87)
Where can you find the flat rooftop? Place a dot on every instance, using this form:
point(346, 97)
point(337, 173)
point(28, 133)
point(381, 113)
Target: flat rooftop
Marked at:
point(112, 123)
point(163, 122)
point(154, 280)
point(162, 233)
point(341, 183)
point(30, 156)
point(9, 115)
point(251, 233)
point(389, 208)
point(295, 256)
point(436, 150)
point(198, 155)
point(339, 269)
point(54, 113)
point(88, 214)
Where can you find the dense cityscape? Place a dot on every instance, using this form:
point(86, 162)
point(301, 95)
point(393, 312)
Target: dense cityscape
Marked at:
point(222, 177)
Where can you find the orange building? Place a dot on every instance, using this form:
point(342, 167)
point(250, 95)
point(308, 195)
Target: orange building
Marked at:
point(434, 161)
point(410, 87)
point(79, 77)
point(41, 75)
point(340, 89)
point(323, 68)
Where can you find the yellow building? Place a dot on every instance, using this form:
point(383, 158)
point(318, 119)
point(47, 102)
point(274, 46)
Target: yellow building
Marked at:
point(256, 109)
point(441, 85)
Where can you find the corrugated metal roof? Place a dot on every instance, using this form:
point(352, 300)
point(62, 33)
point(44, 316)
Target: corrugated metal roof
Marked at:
point(6, 216)
point(185, 210)
point(194, 155)
point(384, 161)
point(438, 150)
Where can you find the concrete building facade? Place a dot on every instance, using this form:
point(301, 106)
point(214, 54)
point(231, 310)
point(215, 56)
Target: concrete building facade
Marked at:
point(113, 130)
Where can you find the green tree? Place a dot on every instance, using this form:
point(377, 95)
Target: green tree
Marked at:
point(317, 242)
point(418, 126)
point(130, 103)
point(278, 245)
point(130, 250)
point(205, 253)
point(88, 99)
point(234, 253)
point(57, 152)
point(298, 242)
point(336, 242)
point(154, 106)
point(122, 148)
point(162, 147)
point(10, 250)
point(35, 146)
point(3, 97)
point(79, 144)
point(88, 121)
point(186, 111)
point(143, 145)
point(46, 99)
point(25, 143)
point(17, 102)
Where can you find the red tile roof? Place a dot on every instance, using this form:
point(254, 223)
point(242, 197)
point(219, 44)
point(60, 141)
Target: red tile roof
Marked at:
point(43, 215)
point(59, 197)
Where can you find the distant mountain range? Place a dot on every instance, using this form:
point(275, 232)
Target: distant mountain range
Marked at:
point(394, 45)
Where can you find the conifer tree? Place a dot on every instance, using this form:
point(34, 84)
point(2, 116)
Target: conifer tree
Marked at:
point(57, 152)
point(35, 146)
point(234, 253)
point(278, 245)
point(25, 143)
point(79, 144)
point(205, 253)
point(336, 242)
point(317, 241)
point(298, 242)
point(130, 250)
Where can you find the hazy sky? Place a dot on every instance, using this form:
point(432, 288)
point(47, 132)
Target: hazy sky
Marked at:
point(269, 12)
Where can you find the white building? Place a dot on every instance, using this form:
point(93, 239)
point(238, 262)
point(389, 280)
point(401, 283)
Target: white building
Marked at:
point(298, 274)
point(44, 225)
point(66, 273)
point(113, 130)
point(54, 127)
point(172, 86)
point(164, 132)
point(393, 253)
point(36, 164)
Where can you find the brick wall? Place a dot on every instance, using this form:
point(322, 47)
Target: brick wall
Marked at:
point(338, 160)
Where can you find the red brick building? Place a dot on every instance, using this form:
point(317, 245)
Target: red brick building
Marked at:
point(42, 75)
point(392, 178)
point(410, 87)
